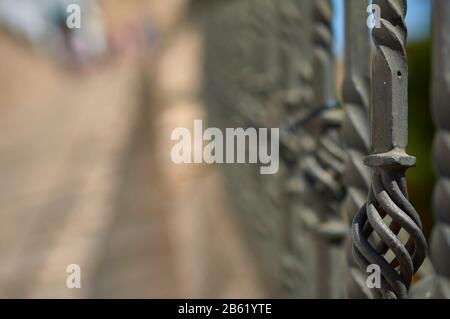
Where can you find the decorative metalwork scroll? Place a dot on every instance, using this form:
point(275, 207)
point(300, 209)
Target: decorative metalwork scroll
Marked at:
point(270, 63)
point(377, 225)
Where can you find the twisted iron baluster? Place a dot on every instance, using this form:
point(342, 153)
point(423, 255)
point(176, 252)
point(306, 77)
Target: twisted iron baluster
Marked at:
point(323, 52)
point(326, 166)
point(297, 96)
point(263, 88)
point(323, 166)
point(388, 194)
point(292, 33)
point(291, 269)
point(295, 17)
point(300, 93)
point(262, 66)
point(440, 239)
point(355, 128)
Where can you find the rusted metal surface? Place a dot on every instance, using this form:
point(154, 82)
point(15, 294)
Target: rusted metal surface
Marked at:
point(388, 196)
point(356, 127)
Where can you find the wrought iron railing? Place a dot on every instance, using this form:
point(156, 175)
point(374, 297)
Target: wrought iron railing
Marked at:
point(339, 202)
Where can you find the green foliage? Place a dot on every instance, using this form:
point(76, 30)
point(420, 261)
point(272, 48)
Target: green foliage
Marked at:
point(421, 130)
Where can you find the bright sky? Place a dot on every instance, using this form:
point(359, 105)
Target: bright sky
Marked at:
point(418, 21)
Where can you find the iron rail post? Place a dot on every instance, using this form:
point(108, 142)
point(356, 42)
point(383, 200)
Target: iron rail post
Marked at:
point(377, 224)
point(440, 238)
point(295, 99)
point(356, 127)
point(323, 165)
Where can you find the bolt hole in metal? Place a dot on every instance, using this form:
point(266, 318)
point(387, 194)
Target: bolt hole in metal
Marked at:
point(399, 74)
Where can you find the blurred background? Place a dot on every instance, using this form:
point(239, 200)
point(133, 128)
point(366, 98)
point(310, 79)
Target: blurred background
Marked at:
point(85, 171)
